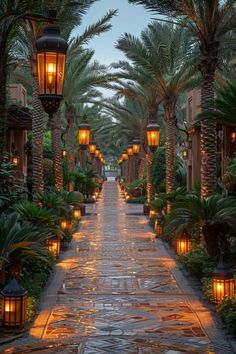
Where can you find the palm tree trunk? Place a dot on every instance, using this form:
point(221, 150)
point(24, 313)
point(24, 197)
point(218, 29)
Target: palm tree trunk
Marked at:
point(3, 98)
point(37, 140)
point(208, 143)
point(56, 149)
point(170, 108)
point(149, 160)
point(70, 117)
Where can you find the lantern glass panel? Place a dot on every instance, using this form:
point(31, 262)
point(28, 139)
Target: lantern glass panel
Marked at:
point(50, 73)
point(183, 245)
point(136, 148)
point(92, 148)
point(41, 82)
point(77, 214)
point(60, 73)
point(14, 311)
point(130, 151)
point(84, 136)
point(223, 287)
point(153, 138)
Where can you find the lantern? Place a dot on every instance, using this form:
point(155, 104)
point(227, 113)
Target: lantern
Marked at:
point(183, 243)
point(92, 147)
point(130, 150)
point(223, 282)
point(51, 57)
point(66, 224)
point(185, 154)
point(152, 213)
point(84, 133)
point(63, 153)
point(97, 152)
point(15, 160)
point(136, 146)
point(158, 224)
point(153, 135)
point(77, 214)
point(54, 246)
point(14, 299)
point(124, 156)
point(233, 136)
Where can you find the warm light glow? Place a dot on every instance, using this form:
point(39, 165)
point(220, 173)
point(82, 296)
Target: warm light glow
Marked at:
point(233, 136)
point(124, 156)
point(97, 153)
point(92, 148)
point(183, 244)
point(64, 153)
point(136, 148)
point(9, 306)
point(152, 213)
point(153, 135)
point(223, 286)
point(77, 214)
point(51, 72)
point(66, 225)
point(15, 160)
point(130, 151)
point(185, 154)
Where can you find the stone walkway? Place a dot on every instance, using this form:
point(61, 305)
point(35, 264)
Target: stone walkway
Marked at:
point(118, 291)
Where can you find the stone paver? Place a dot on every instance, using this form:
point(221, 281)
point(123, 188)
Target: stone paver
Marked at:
point(118, 291)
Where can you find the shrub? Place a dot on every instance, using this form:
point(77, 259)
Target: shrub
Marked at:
point(227, 311)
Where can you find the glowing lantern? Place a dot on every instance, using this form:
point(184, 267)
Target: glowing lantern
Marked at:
point(14, 299)
point(152, 213)
point(130, 150)
point(233, 136)
point(97, 152)
point(66, 224)
point(51, 56)
point(158, 224)
point(136, 146)
point(153, 135)
point(15, 160)
point(84, 133)
point(183, 243)
point(54, 246)
point(92, 147)
point(77, 214)
point(223, 282)
point(63, 153)
point(124, 156)
point(185, 154)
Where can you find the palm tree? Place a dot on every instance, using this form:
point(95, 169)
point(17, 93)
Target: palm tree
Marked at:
point(56, 149)
point(208, 22)
point(215, 216)
point(165, 75)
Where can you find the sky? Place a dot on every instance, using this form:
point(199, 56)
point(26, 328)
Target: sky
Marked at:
point(131, 19)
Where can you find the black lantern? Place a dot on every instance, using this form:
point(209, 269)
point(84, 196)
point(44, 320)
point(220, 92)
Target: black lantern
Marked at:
point(51, 56)
point(92, 147)
point(124, 156)
point(130, 150)
point(84, 133)
point(158, 224)
point(63, 153)
point(97, 152)
point(185, 154)
point(15, 160)
point(153, 135)
point(77, 213)
point(233, 136)
point(223, 282)
point(14, 298)
point(54, 246)
point(136, 146)
point(183, 244)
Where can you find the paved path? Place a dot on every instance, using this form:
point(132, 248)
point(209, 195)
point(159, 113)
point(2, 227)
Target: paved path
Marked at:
point(118, 291)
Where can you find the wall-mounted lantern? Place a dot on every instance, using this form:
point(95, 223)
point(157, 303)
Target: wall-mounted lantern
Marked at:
point(183, 244)
point(84, 133)
point(153, 135)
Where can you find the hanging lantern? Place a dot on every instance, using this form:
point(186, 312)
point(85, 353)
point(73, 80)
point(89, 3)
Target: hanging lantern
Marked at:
point(77, 213)
point(14, 299)
point(185, 154)
point(84, 133)
point(54, 246)
point(136, 146)
point(130, 150)
point(183, 243)
point(153, 135)
point(223, 282)
point(158, 224)
point(124, 156)
point(92, 147)
point(63, 153)
point(15, 160)
point(97, 152)
point(233, 136)
point(51, 57)
point(66, 224)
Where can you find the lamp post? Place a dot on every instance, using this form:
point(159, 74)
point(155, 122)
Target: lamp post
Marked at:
point(136, 149)
point(130, 162)
point(14, 298)
point(185, 154)
point(125, 161)
point(158, 224)
point(84, 139)
point(51, 57)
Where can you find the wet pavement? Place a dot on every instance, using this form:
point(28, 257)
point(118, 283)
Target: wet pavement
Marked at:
point(118, 291)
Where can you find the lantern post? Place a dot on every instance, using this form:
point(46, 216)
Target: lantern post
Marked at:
point(84, 139)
